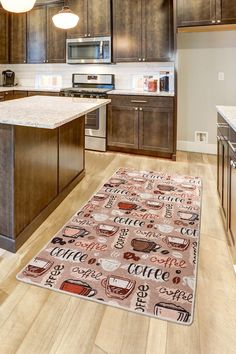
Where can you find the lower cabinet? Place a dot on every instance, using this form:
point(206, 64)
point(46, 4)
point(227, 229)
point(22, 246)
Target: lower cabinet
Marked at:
point(141, 124)
point(232, 199)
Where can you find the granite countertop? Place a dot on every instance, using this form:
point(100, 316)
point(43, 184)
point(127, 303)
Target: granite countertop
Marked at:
point(229, 114)
point(141, 93)
point(47, 112)
point(28, 88)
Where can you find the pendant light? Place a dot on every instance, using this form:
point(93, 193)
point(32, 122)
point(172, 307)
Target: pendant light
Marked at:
point(65, 18)
point(18, 5)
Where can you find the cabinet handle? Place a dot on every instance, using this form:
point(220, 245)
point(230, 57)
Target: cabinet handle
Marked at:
point(44, 61)
point(213, 21)
point(136, 108)
point(222, 125)
point(137, 101)
point(218, 21)
point(144, 59)
point(89, 35)
point(24, 61)
point(140, 109)
point(232, 146)
point(233, 164)
point(139, 59)
point(85, 35)
point(47, 61)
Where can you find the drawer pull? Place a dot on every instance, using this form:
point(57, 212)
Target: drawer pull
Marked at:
point(233, 164)
point(233, 148)
point(222, 125)
point(137, 101)
point(136, 108)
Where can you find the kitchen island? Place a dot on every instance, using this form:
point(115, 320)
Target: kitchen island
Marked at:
point(41, 160)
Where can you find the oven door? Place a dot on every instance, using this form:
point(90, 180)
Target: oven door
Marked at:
point(95, 123)
point(88, 50)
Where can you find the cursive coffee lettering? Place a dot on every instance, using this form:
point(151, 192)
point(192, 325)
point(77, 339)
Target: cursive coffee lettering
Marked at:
point(91, 246)
point(176, 295)
point(169, 262)
point(129, 222)
point(87, 273)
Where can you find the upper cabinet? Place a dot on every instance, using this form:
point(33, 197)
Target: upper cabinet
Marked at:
point(95, 18)
point(142, 30)
point(205, 12)
point(4, 53)
point(18, 38)
point(45, 42)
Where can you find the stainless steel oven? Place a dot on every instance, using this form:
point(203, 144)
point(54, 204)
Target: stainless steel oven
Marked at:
point(95, 50)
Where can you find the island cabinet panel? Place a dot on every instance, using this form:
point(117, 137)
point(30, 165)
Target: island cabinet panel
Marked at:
point(18, 38)
point(34, 168)
point(4, 37)
point(156, 129)
point(36, 35)
point(71, 151)
point(123, 127)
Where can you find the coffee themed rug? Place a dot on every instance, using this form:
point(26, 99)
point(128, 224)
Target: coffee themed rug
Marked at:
point(134, 245)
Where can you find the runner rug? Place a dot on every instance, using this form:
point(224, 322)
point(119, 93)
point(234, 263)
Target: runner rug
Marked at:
point(134, 245)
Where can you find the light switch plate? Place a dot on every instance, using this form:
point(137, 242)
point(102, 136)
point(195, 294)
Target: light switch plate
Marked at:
point(221, 76)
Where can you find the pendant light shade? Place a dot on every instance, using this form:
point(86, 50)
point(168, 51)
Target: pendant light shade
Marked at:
point(65, 18)
point(18, 5)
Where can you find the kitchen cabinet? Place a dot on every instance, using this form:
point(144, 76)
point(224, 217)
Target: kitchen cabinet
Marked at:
point(142, 30)
point(205, 12)
point(95, 18)
point(18, 38)
point(222, 164)
point(45, 42)
point(4, 18)
point(232, 198)
point(43, 93)
point(141, 124)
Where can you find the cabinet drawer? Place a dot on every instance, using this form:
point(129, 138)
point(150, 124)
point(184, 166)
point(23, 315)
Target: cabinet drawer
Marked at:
point(141, 101)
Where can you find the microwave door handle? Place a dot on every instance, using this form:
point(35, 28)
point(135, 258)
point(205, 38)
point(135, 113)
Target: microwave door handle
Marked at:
point(101, 49)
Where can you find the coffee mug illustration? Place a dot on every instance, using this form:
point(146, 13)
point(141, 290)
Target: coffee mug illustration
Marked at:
point(106, 230)
point(190, 281)
point(166, 188)
point(173, 312)
point(118, 287)
point(115, 182)
point(78, 287)
point(127, 206)
point(37, 267)
point(144, 245)
point(100, 197)
point(188, 215)
point(109, 265)
point(154, 204)
point(177, 243)
point(74, 231)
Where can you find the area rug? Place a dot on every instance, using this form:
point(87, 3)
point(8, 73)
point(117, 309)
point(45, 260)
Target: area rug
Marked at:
point(134, 245)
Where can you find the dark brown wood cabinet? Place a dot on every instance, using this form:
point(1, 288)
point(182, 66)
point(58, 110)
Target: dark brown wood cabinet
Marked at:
point(18, 38)
point(4, 37)
point(205, 12)
point(142, 30)
point(141, 124)
point(232, 198)
point(45, 42)
point(95, 18)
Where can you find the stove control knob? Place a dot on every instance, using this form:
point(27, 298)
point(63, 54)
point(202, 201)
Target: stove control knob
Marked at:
point(81, 96)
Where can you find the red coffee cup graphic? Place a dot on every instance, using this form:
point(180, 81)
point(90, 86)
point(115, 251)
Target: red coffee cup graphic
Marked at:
point(118, 287)
point(127, 205)
point(78, 287)
point(37, 267)
point(187, 215)
point(177, 243)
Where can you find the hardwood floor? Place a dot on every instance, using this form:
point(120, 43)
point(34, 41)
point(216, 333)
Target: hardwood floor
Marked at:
point(35, 320)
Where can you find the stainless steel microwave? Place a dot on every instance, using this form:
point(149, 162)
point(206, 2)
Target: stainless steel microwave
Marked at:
point(88, 50)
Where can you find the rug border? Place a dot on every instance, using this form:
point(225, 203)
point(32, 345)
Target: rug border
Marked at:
point(114, 305)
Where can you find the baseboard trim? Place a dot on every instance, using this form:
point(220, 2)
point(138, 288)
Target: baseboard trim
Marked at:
point(192, 146)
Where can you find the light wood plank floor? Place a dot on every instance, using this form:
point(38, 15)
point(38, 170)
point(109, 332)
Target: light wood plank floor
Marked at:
point(35, 320)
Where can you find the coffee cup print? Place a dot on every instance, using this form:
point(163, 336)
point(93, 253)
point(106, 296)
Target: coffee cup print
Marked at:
point(37, 267)
point(154, 204)
point(177, 243)
point(78, 287)
point(127, 206)
point(100, 197)
point(188, 187)
point(164, 228)
point(109, 265)
point(118, 287)
point(166, 188)
point(189, 281)
point(100, 217)
point(106, 230)
point(115, 182)
point(74, 231)
point(172, 312)
point(143, 245)
point(187, 215)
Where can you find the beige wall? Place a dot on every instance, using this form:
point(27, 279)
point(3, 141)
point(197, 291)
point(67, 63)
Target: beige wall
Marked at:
point(200, 57)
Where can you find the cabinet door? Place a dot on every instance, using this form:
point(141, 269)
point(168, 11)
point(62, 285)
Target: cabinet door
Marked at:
point(157, 34)
point(225, 178)
point(127, 31)
point(99, 18)
point(4, 55)
point(36, 35)
point(226, 11)
point(220, 164)
point(122, 127)
point(18, 38)
point(196, 12)
point(56, 37)
point(232, 200)
point(156, 129)
point(79, 7)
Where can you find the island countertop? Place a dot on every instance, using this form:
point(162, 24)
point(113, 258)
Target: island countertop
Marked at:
point(47, 112)
point(229, 114)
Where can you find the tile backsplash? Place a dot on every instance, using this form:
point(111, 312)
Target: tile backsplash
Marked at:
point(127, 75)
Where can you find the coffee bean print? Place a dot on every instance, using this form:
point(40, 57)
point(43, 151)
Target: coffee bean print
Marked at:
point(178, 271)
point(92, 261)
point(165, 252)
point(149, 226)
point(176, 280)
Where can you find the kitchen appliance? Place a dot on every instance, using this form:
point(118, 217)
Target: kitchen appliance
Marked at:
point(164, 81)
point(92, 86)
point(88, 50)
point(8, 78)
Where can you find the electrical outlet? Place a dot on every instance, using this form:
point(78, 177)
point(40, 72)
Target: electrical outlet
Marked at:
point(221, 76)
point(201, 137)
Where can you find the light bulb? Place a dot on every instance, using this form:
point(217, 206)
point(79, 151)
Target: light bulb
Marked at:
point(18, 6)
point(65, 18)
